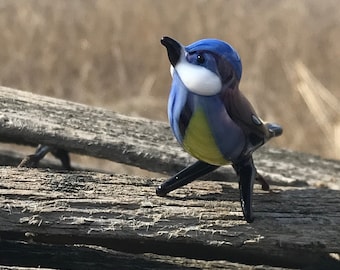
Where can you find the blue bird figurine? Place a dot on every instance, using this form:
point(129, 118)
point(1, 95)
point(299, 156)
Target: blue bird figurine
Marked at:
point(211, 119)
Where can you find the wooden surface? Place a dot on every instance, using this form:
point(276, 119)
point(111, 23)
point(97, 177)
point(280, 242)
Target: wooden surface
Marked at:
point(294, 226)
point(26, 118)
point(114, 217)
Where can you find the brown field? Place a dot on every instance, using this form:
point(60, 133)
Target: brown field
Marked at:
point(107, 53)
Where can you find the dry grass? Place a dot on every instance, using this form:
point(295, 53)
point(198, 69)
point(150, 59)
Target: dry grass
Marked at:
point(107, 53)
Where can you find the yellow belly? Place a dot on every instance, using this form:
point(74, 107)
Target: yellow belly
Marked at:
point(199, 141)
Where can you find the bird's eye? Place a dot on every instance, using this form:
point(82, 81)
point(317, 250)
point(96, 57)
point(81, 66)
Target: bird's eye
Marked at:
point(200, 59)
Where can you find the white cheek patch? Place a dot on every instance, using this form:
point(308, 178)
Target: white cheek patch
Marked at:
point(172, 71)
point(198, 79)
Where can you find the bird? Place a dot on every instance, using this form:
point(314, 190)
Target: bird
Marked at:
point(210, 117)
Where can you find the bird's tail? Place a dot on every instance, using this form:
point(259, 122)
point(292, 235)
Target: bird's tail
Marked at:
point(274, 130)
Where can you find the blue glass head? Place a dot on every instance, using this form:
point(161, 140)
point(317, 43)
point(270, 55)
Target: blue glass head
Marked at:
point(221, 48)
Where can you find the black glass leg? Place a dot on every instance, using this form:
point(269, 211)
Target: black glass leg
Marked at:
point(246, 172)
point(185, 176)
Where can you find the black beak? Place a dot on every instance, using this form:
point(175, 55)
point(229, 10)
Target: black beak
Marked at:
point(174, 49)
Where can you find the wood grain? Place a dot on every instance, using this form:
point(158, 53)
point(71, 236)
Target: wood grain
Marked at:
point(27, 118)
point(294, 227)
point(119, 217)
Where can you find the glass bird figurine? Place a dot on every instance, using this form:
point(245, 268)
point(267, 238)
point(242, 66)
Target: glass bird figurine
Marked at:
point(211, 119)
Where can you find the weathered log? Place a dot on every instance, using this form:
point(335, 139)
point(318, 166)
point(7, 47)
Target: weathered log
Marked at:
point(294, 227)
point(26, 118)
point(296, 223)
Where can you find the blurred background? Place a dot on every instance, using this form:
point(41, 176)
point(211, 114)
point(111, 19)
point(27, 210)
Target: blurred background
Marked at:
point(107, 53)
